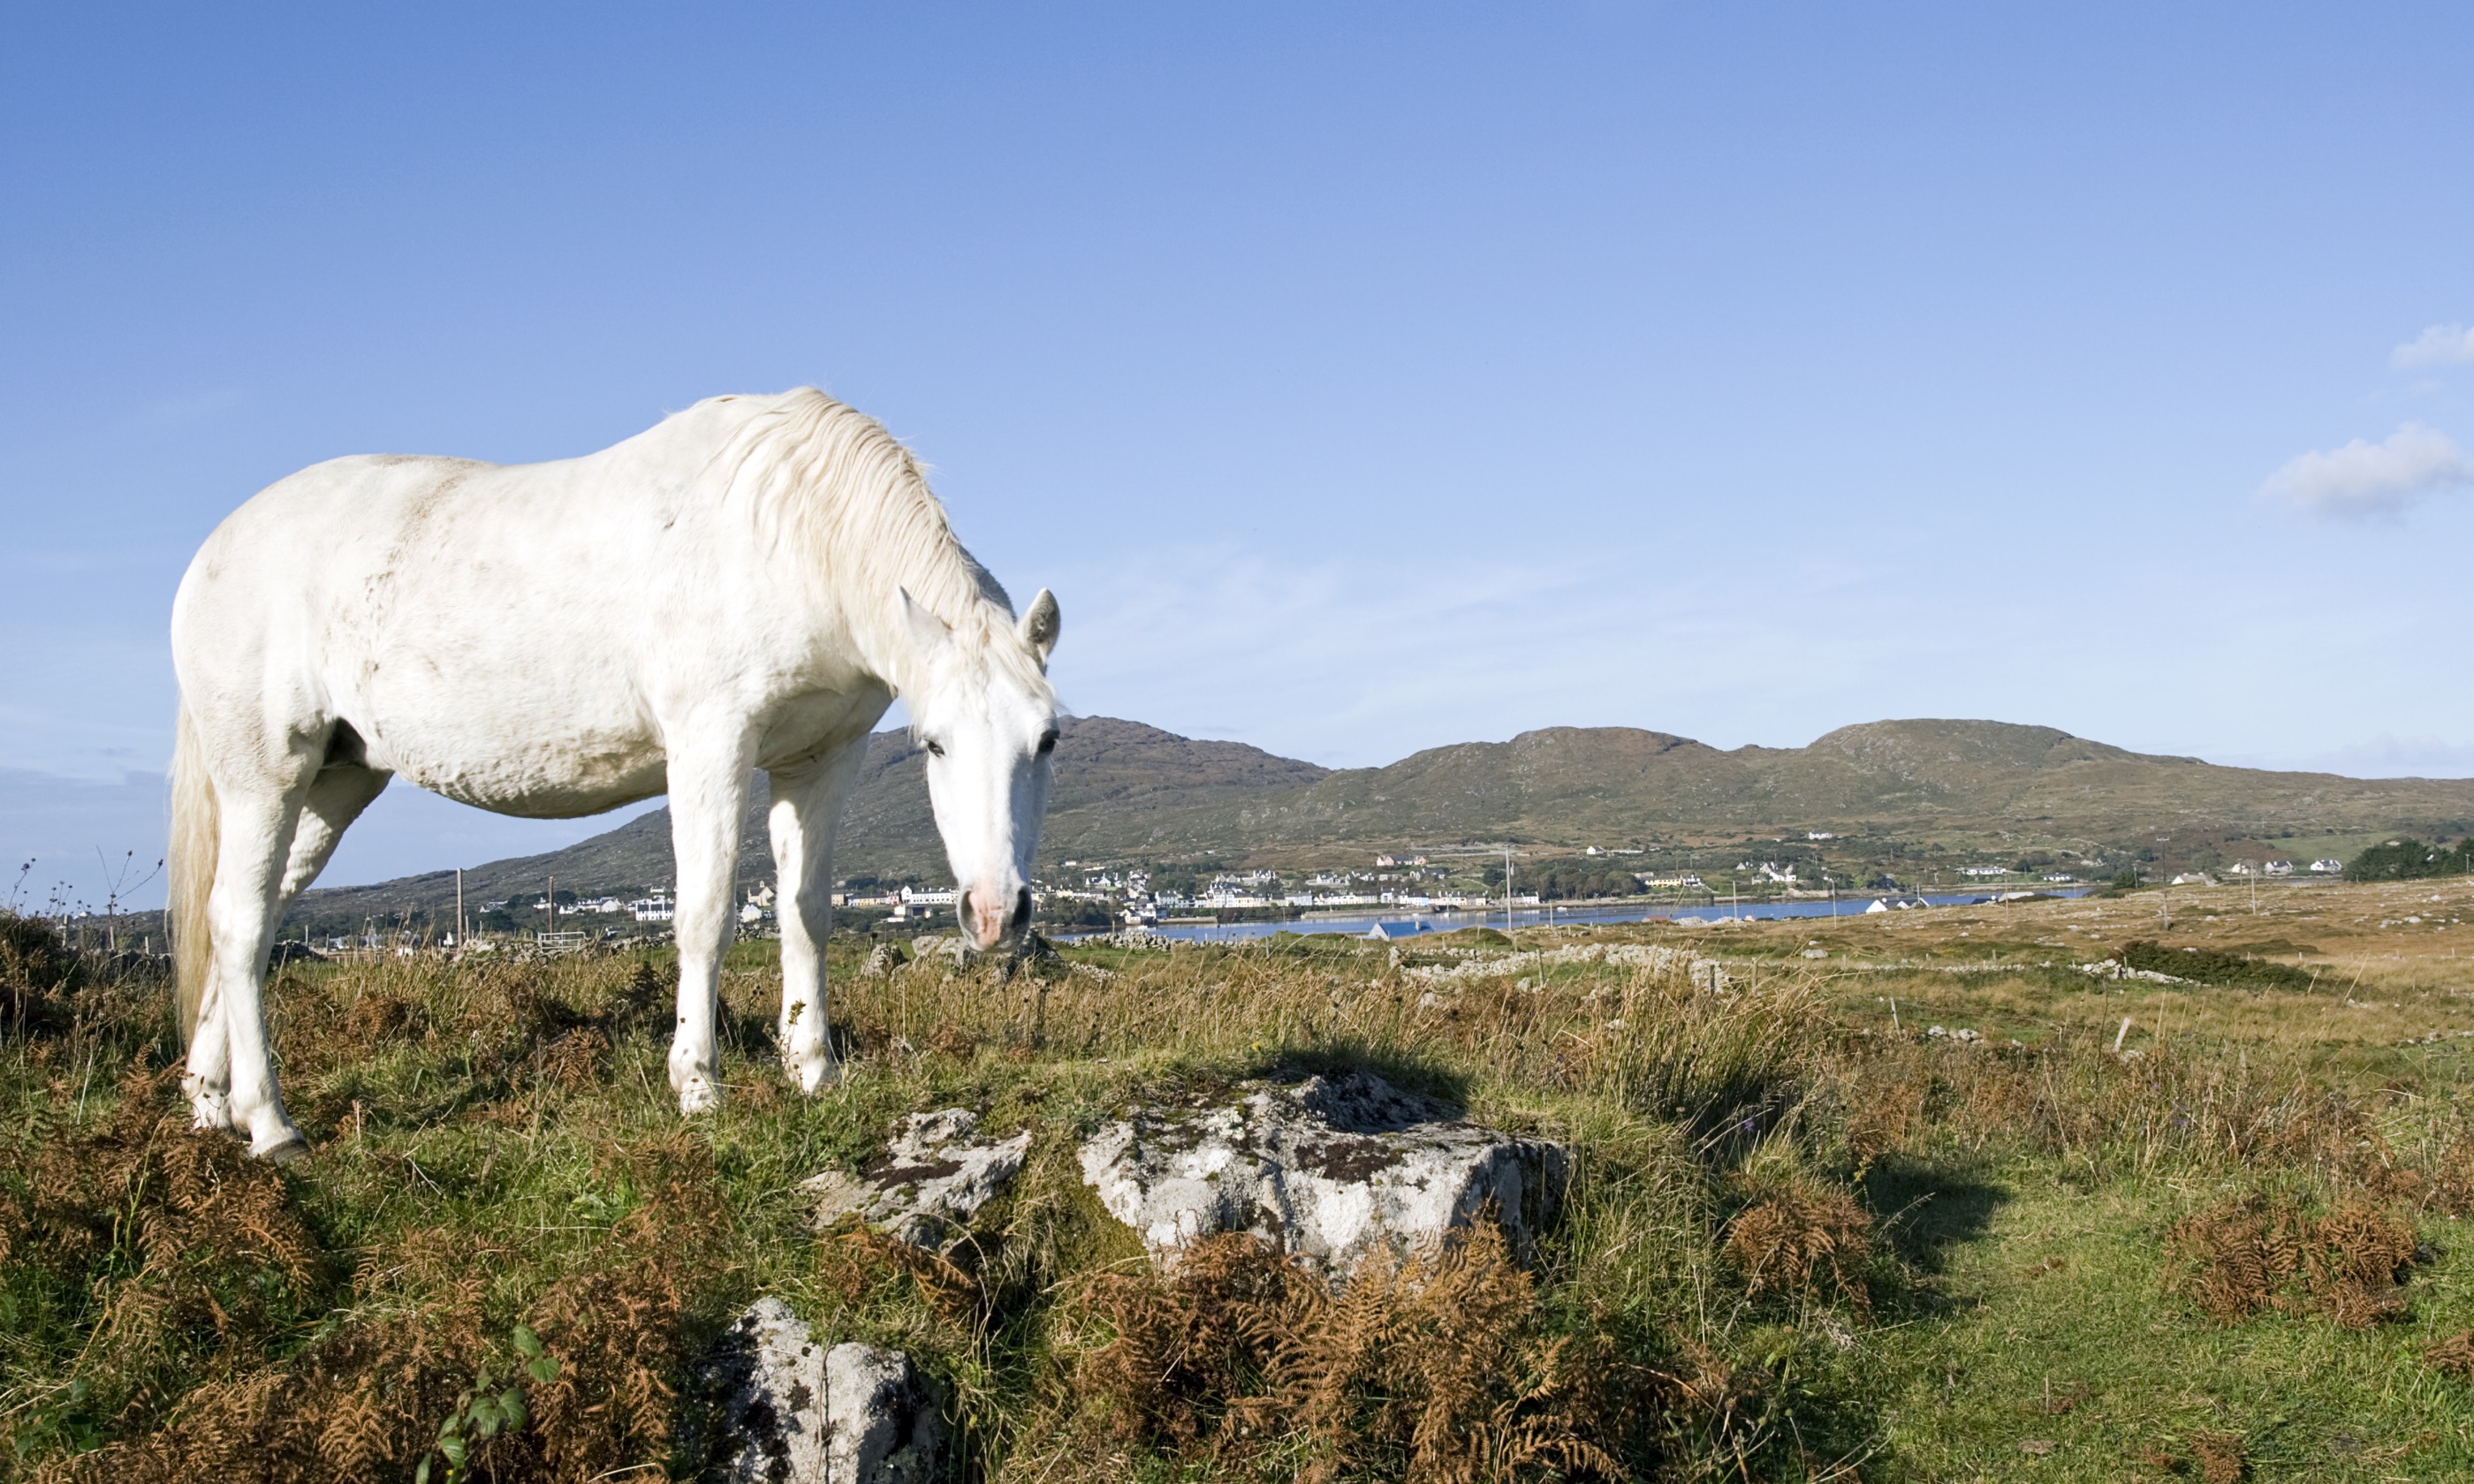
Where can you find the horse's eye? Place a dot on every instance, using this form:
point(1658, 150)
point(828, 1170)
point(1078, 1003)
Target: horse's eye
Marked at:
point(1047, 742)
point(936, 748)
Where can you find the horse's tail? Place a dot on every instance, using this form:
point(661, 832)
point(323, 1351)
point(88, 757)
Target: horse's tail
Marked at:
point(196, 840)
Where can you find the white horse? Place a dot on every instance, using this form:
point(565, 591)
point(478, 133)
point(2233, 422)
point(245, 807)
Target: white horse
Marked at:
point(748, 585)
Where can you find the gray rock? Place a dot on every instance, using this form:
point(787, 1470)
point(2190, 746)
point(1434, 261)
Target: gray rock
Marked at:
point(1327, 1168)
point(799, 1413)
point(944, 949)
point(772, 1373)
point(929, 1183)
point(884, 959)
point(886, 1428)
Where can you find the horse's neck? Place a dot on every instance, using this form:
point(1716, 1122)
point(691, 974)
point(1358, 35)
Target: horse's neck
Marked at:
point(869, 539)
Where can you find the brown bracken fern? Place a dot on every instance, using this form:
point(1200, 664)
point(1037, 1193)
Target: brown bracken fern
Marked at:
point(1437, 1368)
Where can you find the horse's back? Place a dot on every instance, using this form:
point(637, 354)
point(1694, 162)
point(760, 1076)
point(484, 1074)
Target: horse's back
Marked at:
point(519, 636)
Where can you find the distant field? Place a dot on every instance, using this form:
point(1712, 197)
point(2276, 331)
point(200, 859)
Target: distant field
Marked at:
point(1809, 1237)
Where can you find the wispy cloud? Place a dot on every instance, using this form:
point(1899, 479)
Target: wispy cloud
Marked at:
point(2365, 480)
point(1351, 657)
point(2441, 344)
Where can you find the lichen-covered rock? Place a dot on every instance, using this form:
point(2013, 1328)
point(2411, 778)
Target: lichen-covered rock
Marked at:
point(1327, 1168)
point(771, 1373)
point(884, 959)
point(795, 1412)
point(930, 1180)
point(885, 1428)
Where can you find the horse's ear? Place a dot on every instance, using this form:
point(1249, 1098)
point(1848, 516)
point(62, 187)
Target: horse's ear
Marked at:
point(929, 633)
point(1040, 624)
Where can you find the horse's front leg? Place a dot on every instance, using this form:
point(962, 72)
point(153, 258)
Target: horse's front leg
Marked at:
point(708, 801)
point(807, 807)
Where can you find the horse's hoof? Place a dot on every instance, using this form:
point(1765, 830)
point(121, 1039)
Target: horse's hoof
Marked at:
point(291, 1151)
point(697, 1095)
point(816, 1076)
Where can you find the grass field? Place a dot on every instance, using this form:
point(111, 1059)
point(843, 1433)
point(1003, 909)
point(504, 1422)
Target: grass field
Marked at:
point(1889, 1206)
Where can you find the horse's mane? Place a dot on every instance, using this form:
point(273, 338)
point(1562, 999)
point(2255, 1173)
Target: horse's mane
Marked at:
point(827, 485)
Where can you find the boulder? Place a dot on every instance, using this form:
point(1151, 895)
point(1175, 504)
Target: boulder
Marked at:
point(884, 959)
point(945, 948)
point(771, 1372)
point(930, 1180)
point(795, 1412)
point(884, 1426)
point(1327, 1168)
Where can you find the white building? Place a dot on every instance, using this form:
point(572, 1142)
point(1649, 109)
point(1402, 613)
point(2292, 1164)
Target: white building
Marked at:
point(2328, 867)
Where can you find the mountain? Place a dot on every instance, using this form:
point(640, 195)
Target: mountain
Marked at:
point(1119, 787)
point(1892, 779)
point(1126, 790)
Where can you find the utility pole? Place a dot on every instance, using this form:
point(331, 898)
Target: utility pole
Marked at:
point(459, 906)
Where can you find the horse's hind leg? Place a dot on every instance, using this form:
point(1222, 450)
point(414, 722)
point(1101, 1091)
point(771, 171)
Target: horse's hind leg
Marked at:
point(336, 797)
point(228, 1056)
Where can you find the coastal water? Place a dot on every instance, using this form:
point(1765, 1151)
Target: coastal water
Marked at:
point(1407, 924)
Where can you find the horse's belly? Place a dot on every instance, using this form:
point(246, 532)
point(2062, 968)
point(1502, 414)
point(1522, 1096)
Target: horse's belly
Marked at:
point(566, 783)
point(537, 753)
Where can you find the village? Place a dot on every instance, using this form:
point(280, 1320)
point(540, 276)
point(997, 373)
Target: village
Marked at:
point(1132, 898)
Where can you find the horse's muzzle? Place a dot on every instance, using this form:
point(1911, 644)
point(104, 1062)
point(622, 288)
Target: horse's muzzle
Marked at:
point(988, 919)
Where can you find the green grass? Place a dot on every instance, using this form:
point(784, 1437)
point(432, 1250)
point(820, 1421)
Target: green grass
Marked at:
point(497, 1146)
point(2052, 1325)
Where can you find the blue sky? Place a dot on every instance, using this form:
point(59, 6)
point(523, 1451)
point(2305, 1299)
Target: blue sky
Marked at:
point(1362, 378)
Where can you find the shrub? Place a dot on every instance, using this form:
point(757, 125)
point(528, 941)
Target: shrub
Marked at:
point(35, 968)
point(2210, 966)
point(2410, 859)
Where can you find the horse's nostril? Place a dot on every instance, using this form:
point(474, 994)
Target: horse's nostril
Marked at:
point(1021, 917)
point(962, 909)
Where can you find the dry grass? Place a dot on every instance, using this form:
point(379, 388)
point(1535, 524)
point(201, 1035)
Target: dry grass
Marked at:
point(2258, 1251)
point(1768, 1183)
point(2453, 1355)
point(2220, 1457)
point(377, 1393)
point(1436, 1369)
point(1809, 1241)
